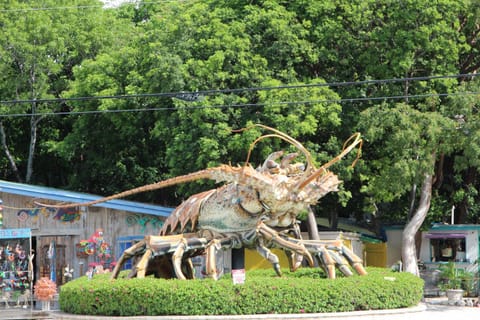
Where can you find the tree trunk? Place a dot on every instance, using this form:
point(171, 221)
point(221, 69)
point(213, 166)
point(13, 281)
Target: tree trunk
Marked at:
point(413, 196)
point(33, 142)
point(312, 225)
point(409, 252)
point(333, 219)
point(13, 165)
point(469, 181)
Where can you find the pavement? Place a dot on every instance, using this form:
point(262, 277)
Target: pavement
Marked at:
point(429, 309)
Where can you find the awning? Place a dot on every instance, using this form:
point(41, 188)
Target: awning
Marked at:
point(445, 235)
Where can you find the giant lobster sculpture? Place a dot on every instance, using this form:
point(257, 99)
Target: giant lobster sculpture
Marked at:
point(256, 208)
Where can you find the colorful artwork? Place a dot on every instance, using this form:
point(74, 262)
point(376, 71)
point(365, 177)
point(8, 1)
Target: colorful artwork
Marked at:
point(33, 213)
point(67, 214)
point(98, 248)
point(143, 220)
point(14, 264)
point(61, 214)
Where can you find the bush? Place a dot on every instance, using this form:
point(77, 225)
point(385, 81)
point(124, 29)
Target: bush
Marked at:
point(304, 291)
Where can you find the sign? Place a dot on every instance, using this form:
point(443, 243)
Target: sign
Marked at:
point(238, 276)
point(15, 233)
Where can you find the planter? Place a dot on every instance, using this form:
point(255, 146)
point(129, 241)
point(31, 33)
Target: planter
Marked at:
point(454, 295)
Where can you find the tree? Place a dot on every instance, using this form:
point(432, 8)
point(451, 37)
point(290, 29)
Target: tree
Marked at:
point(379, 40)
point(38, 48)
point(459, 173)
point(404, 144)
point(204, 48)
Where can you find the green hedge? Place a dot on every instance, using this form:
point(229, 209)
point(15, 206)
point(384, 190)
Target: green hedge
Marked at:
point(304, 291)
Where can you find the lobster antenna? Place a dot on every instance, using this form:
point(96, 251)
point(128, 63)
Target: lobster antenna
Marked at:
point(323, 169)
point(283, 136)
point(261, 138)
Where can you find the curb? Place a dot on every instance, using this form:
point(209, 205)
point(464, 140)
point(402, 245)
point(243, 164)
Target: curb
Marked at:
point(302, 316)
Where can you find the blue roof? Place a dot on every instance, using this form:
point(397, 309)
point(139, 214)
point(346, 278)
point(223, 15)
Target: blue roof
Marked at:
point(69, 196)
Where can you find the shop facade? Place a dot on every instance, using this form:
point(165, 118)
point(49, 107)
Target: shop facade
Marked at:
point(444, 243)
point(67, 243)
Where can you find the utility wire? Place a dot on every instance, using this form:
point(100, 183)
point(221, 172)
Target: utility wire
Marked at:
point(239, 90)
point(105, 5)
point(243, 105)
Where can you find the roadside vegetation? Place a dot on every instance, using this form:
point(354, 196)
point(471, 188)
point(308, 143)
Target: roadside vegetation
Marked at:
point(101, 100)
point(304, 291)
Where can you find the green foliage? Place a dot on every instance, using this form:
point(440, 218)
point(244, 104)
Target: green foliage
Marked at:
point(305, 291)
point(470, 284)
point(409, 140)
point(38, 49)
point(452, 277)
point(228, 49)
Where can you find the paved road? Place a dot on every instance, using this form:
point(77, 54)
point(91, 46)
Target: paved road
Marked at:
point(431, 310)
point(424, 311)
point(439, 312)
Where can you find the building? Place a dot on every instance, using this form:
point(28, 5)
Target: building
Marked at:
point(74, 238)
point(443, 243)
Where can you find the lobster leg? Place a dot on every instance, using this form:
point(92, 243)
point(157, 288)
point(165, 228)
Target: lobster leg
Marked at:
point(283, 241)
point(134, 250)
point(327, 262)
point(294, 259)
point(177, 245)
point(354, 260)
point(181, 265)
point(211, 261)
point(340, 263)
point(333, 254)
point(329, 254)
point(227, 242)
point(270, 256)
point(141, 266)
point(178, 257)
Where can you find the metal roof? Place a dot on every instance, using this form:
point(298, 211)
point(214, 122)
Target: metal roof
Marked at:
point(69, 196)
point(454, 227)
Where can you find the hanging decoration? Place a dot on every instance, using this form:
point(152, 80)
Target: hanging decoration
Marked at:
point(98, 248)
point(51, 254)
point(15, 269)
point(68, 274)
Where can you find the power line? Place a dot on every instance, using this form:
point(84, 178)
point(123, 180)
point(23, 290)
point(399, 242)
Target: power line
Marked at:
point(105, 5)
point(200, 93)
point(244, 105)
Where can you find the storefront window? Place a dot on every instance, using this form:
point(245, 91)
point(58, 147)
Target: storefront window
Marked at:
point(448, 249)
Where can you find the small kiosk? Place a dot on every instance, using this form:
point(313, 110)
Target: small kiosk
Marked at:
point(449, 243)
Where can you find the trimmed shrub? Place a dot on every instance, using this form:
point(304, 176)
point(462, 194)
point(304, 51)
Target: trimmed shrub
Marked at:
point(303, 291)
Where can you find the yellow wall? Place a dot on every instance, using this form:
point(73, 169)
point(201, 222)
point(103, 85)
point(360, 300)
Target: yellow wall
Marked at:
point(376, 254)
point(253, 260)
